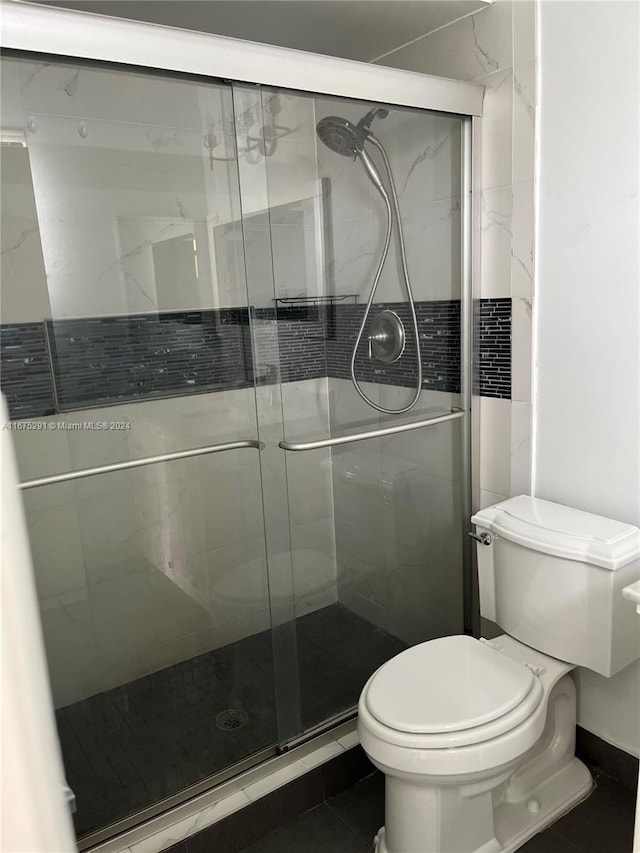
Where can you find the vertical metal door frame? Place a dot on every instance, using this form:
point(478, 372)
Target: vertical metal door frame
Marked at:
point(470, 250)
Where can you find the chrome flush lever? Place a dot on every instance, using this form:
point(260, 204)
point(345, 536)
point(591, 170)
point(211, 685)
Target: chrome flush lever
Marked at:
point(484, 538)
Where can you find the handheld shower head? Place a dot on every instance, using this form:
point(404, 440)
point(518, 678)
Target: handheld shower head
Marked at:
point(345, 138)
point(341, 136)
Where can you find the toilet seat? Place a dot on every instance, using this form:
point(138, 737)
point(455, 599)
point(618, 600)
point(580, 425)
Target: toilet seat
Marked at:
point(476, 694)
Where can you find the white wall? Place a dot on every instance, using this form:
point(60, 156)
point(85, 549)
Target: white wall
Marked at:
point(587, 445)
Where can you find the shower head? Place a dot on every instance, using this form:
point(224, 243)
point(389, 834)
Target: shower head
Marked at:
point(341, 136)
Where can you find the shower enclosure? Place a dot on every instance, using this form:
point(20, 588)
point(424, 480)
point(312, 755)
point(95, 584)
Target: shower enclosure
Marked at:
point(238, 370)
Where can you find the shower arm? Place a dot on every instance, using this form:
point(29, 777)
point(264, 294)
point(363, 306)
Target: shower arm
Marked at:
point(375, 178)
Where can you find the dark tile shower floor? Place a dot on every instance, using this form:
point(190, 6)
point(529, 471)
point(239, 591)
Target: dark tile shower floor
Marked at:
point(136, 744)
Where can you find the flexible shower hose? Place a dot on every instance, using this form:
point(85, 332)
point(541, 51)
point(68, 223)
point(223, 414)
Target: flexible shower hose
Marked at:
point(383, 258)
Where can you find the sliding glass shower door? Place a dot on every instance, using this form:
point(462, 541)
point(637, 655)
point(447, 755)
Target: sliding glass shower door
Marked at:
point(366, 512)
point(127, 366)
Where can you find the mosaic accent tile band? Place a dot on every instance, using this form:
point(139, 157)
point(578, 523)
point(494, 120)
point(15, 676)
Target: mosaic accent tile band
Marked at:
point(439, 331)
point(25, 370)
point(492, 348)
point(301, 332)
point(121, 359)
point(110, 360)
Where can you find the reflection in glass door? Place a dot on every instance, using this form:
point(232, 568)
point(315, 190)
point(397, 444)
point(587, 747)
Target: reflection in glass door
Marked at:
point(127, 366)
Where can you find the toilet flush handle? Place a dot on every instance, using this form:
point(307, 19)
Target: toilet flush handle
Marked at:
point(483, 538)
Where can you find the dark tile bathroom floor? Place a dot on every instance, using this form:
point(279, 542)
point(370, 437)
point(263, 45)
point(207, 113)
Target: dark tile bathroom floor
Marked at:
point(134, 745)
point(603, 823)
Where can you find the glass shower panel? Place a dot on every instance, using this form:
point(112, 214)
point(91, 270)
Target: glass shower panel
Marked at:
point(129, 178)
point(125, 338)
point(375, 523)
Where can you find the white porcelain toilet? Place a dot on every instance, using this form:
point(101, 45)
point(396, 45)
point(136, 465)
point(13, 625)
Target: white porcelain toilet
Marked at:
point(477, 738)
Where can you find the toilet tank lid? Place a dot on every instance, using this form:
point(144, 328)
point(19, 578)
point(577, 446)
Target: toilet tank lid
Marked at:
point(562, 531)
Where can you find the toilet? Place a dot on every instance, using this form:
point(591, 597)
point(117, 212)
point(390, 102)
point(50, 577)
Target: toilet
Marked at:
point(476, 738)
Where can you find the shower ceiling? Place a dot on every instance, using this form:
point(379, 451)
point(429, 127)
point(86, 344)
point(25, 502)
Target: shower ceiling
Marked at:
point(354, 29)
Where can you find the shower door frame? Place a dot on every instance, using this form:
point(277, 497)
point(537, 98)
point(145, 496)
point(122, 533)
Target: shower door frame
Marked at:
point(59, 34)
point(85, 35)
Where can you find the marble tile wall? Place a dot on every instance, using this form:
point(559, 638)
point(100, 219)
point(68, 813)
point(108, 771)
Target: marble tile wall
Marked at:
point(117, 204)
point(21, 252)
point(497, 48)
point(424, 154)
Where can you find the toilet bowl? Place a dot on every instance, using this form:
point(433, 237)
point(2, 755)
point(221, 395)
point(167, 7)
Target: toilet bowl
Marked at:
point(476, 738)
point(446, 755)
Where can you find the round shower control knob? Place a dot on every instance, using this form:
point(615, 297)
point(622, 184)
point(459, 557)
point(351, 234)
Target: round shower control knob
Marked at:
point(386, 337)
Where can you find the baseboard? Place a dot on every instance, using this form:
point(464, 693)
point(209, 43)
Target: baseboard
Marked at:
point(244, 827)
point(615, 762)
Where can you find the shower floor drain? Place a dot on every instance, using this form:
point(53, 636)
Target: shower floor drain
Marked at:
point(231, 719)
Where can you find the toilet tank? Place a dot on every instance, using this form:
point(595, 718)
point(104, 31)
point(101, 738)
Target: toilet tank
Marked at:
point(552, 577)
